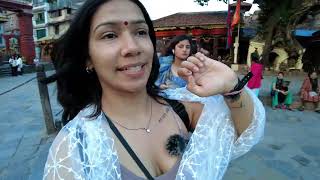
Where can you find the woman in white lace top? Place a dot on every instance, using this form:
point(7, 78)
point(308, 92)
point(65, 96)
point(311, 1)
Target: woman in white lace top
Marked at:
point(106, 66)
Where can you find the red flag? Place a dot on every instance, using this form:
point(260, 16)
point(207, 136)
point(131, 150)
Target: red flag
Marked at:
point(229, 33)
point(236, 16)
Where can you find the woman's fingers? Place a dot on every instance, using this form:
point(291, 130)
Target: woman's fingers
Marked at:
point(184, 73)
point(200, 56)
point(192, 86)
point(206, 59)
point(190, 66)
point(195, 88)
point(195, 61)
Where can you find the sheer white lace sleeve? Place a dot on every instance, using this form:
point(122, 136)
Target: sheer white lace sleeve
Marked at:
point(214, 142)
point(84, 148)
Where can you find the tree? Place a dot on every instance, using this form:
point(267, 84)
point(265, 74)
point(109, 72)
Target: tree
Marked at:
point(277, 20)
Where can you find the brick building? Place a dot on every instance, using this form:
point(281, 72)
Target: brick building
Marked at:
point(18, 35)
point(208, 29)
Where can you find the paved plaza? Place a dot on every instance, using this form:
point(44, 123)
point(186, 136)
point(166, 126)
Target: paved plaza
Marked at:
point(290, 149)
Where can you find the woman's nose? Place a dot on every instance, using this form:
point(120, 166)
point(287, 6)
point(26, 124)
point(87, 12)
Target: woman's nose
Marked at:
point(129, 45)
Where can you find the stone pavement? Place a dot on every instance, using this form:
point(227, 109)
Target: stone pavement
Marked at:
point(23, 144)
point(290, 149)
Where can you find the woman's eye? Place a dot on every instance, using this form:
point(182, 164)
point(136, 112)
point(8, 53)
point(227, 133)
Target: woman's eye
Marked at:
point(142, 32)
point(109, 36)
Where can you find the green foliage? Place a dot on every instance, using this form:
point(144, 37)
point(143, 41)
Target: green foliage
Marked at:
point(276, 21)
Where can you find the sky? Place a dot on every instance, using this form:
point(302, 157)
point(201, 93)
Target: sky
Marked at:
point(161, 8)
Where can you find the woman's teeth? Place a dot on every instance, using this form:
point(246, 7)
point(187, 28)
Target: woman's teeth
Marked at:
point(133, 69)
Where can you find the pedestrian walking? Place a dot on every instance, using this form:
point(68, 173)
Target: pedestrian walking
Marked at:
point(257, 71)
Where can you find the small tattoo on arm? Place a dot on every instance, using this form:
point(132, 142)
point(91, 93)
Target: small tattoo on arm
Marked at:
point(164, 115)
point(238, 105)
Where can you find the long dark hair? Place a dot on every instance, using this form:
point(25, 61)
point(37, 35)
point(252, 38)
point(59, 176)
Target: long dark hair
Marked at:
point(76, 88)
point(314, 82)
point(279, 81)
point(175, 41)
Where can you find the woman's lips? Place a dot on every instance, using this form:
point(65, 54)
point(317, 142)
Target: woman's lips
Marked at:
point(134, 71)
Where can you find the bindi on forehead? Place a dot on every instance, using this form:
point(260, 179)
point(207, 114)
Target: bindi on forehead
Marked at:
point(125, 23)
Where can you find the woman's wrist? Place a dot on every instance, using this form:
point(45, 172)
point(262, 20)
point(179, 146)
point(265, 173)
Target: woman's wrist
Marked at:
point(234, 94)
point(237, 103)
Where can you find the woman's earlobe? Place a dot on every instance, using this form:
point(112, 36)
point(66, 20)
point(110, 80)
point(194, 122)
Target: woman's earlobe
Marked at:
point(89, 67)
point(89, 70)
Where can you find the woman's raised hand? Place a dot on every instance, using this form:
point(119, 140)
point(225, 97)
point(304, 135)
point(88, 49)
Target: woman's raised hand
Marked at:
point(207, 77)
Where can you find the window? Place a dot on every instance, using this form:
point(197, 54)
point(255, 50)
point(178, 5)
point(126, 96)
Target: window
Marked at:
point(38, 2)
point(55, 14)
point(56, 29)
point(40, 18)
point(41, 33)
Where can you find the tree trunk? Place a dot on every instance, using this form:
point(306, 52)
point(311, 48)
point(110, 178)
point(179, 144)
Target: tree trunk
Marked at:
point(271, 25)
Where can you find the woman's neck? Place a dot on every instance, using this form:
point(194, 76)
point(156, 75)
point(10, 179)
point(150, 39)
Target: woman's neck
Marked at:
point(124, 104)
point(175, 65)
point(177, 61)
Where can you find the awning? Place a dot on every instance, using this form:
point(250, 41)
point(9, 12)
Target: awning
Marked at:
point(306, 37)
point(304, 32)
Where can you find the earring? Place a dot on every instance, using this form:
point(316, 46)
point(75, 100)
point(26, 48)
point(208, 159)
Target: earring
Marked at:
point(172, 51)
point(89, 71)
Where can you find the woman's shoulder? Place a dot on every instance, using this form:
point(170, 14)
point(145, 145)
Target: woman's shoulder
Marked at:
point(274, 79)
point(306, 79)
point(83, 118)
point(81, 125)
point(165, 59)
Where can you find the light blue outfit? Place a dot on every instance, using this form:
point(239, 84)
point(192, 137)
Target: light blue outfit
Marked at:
point(166, 76)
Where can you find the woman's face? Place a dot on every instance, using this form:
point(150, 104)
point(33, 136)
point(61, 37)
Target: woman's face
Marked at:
point(280, 76)
point(313, 75)
point(182, 50)
point(120, 48)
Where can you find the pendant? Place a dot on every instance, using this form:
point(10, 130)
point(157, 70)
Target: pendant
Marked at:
point(148, 130)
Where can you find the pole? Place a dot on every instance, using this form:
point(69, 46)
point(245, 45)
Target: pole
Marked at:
point(45, 100)
point(236, 46)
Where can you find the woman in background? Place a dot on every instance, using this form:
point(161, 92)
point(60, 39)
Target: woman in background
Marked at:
point(178, 51)
point(310, 91)
point(257, 70)
point(277, 90)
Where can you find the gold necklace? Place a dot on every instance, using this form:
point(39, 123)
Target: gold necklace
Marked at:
point(147, 128)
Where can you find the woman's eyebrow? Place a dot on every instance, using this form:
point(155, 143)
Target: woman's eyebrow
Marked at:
point(114, 23)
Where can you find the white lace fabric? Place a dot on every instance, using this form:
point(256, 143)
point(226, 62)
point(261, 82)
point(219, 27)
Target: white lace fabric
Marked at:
point(84, 148)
